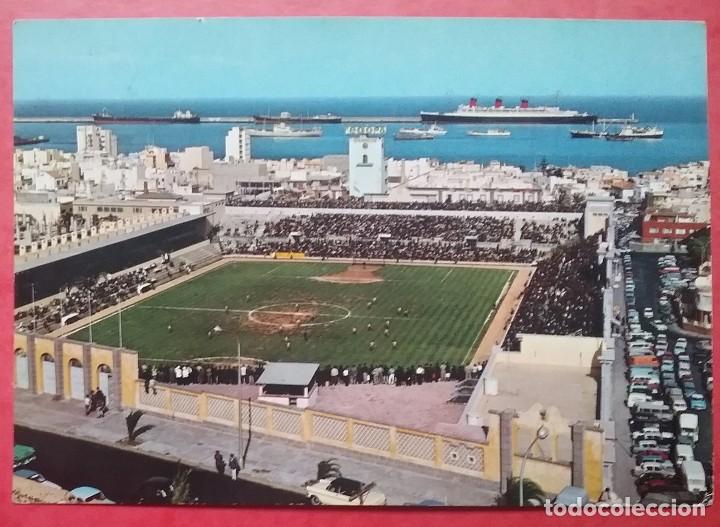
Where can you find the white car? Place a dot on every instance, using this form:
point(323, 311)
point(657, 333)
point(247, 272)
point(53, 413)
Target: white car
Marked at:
point(648, 313)
point(343, 491)
point(679, 404)
point(87, 495)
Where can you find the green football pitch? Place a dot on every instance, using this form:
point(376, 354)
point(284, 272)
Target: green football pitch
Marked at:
point(433, 313)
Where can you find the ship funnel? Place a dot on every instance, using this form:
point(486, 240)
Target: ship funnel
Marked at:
point(473, 102)
point(524, 103)
point(498, 103)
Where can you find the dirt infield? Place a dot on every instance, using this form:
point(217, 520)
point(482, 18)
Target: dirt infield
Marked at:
point(354, 274)
point(281, 319)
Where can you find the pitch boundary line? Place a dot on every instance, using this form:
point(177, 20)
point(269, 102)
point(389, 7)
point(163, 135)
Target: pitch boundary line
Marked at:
point(446, 275)
point(219, 310)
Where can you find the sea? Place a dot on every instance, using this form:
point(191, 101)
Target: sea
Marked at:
point(684, 121)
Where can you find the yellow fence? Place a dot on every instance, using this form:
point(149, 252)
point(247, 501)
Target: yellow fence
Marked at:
point(431, 450)
point(288, 255)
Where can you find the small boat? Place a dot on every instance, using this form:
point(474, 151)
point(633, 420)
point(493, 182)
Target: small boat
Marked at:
point(635, 132)
point(493, 132)
point(431, 132)
point(283, 130)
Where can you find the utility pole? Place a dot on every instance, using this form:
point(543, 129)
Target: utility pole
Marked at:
point(32, 292)
point(239, 396)
point(120, 326)
point(90, 327)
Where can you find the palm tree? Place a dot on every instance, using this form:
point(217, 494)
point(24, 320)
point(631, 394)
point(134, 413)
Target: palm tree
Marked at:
point(328, 468)
point(132, 426)
point(181, 486)
point(533, 494)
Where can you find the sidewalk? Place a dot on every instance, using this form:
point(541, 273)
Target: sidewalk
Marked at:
point(270, 461)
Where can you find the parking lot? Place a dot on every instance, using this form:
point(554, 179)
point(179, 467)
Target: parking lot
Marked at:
point(664, 391)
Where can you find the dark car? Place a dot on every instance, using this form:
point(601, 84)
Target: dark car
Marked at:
point(659, 485)
point(155, 491)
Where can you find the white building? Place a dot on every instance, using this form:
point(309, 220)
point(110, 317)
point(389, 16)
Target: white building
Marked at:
point(196, 158)
point(237, 146)
point(597, 212)
point(367, 166)
point(155, 157)
point(92, 140)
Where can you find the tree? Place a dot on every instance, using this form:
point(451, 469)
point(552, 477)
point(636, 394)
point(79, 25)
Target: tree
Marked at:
point(181, 486)
point(214, 230)
point(131, 420)
point(699, 247)
point(533, 494)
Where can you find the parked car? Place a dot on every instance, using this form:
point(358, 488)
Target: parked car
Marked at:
point(35, 476)
point(343, 491)
point(23, 455)
point(698, 402)
point(648, 313)
point(87, 495)
point(652, 467)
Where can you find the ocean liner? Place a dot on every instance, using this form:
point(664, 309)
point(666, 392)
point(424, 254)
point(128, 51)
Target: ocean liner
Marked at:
point(499, 113)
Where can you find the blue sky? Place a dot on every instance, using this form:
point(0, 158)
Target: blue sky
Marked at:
point(351, 57)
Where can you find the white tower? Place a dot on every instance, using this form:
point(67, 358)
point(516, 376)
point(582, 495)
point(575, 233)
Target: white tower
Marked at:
point(92, 139)
point(367, 161)
point(237, 146)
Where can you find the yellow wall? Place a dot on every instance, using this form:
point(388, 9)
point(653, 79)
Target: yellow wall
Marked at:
point(19, 342)
point(552, 477)
point(129, 367)
point(593, 463)
point(554, 350)
point(42, 346)
point(492, 450)
point(71, 350)
point(99, 356)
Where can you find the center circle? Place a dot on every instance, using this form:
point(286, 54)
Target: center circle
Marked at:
point(298, 314)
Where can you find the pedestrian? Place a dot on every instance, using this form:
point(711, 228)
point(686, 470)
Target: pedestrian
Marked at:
point(354, 330)
point(394, 344)
point(147, 384)
point(369, 305)
point(287, 346)
point(227, 310)
point(372, 344)
point(369, 326)
point(387, 323)
point(169, 328)
point(234, 465)
point(387, 332)
point(88, 403)
point(243, 374)
point(152, 386)
point(219, 462)
point(374, 299)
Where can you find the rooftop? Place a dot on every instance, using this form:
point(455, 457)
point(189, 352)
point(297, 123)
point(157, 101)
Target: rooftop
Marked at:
point(288, 373)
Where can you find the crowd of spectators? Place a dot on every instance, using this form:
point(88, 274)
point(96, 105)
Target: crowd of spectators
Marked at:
point(388, 250)
point(559, 230)
point(197, 373)
point(402, 227)
point(563, 297)
point(355, 203)
point(329, 375)
point(91, 294)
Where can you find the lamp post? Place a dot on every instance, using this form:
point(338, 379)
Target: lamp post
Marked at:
point(541, 433)
point(236, 332)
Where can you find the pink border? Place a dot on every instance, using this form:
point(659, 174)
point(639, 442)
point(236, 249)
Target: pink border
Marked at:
point(704, 10)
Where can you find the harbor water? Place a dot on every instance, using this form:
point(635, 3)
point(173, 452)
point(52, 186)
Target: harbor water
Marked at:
point(684, 121)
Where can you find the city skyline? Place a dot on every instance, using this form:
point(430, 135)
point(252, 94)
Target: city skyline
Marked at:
point(185, 58)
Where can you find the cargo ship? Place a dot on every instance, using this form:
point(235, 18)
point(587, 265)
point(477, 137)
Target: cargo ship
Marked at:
point(179, 117)
point(499, 113)
point(287, 117)
point(589, 134)
point(22, 141)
